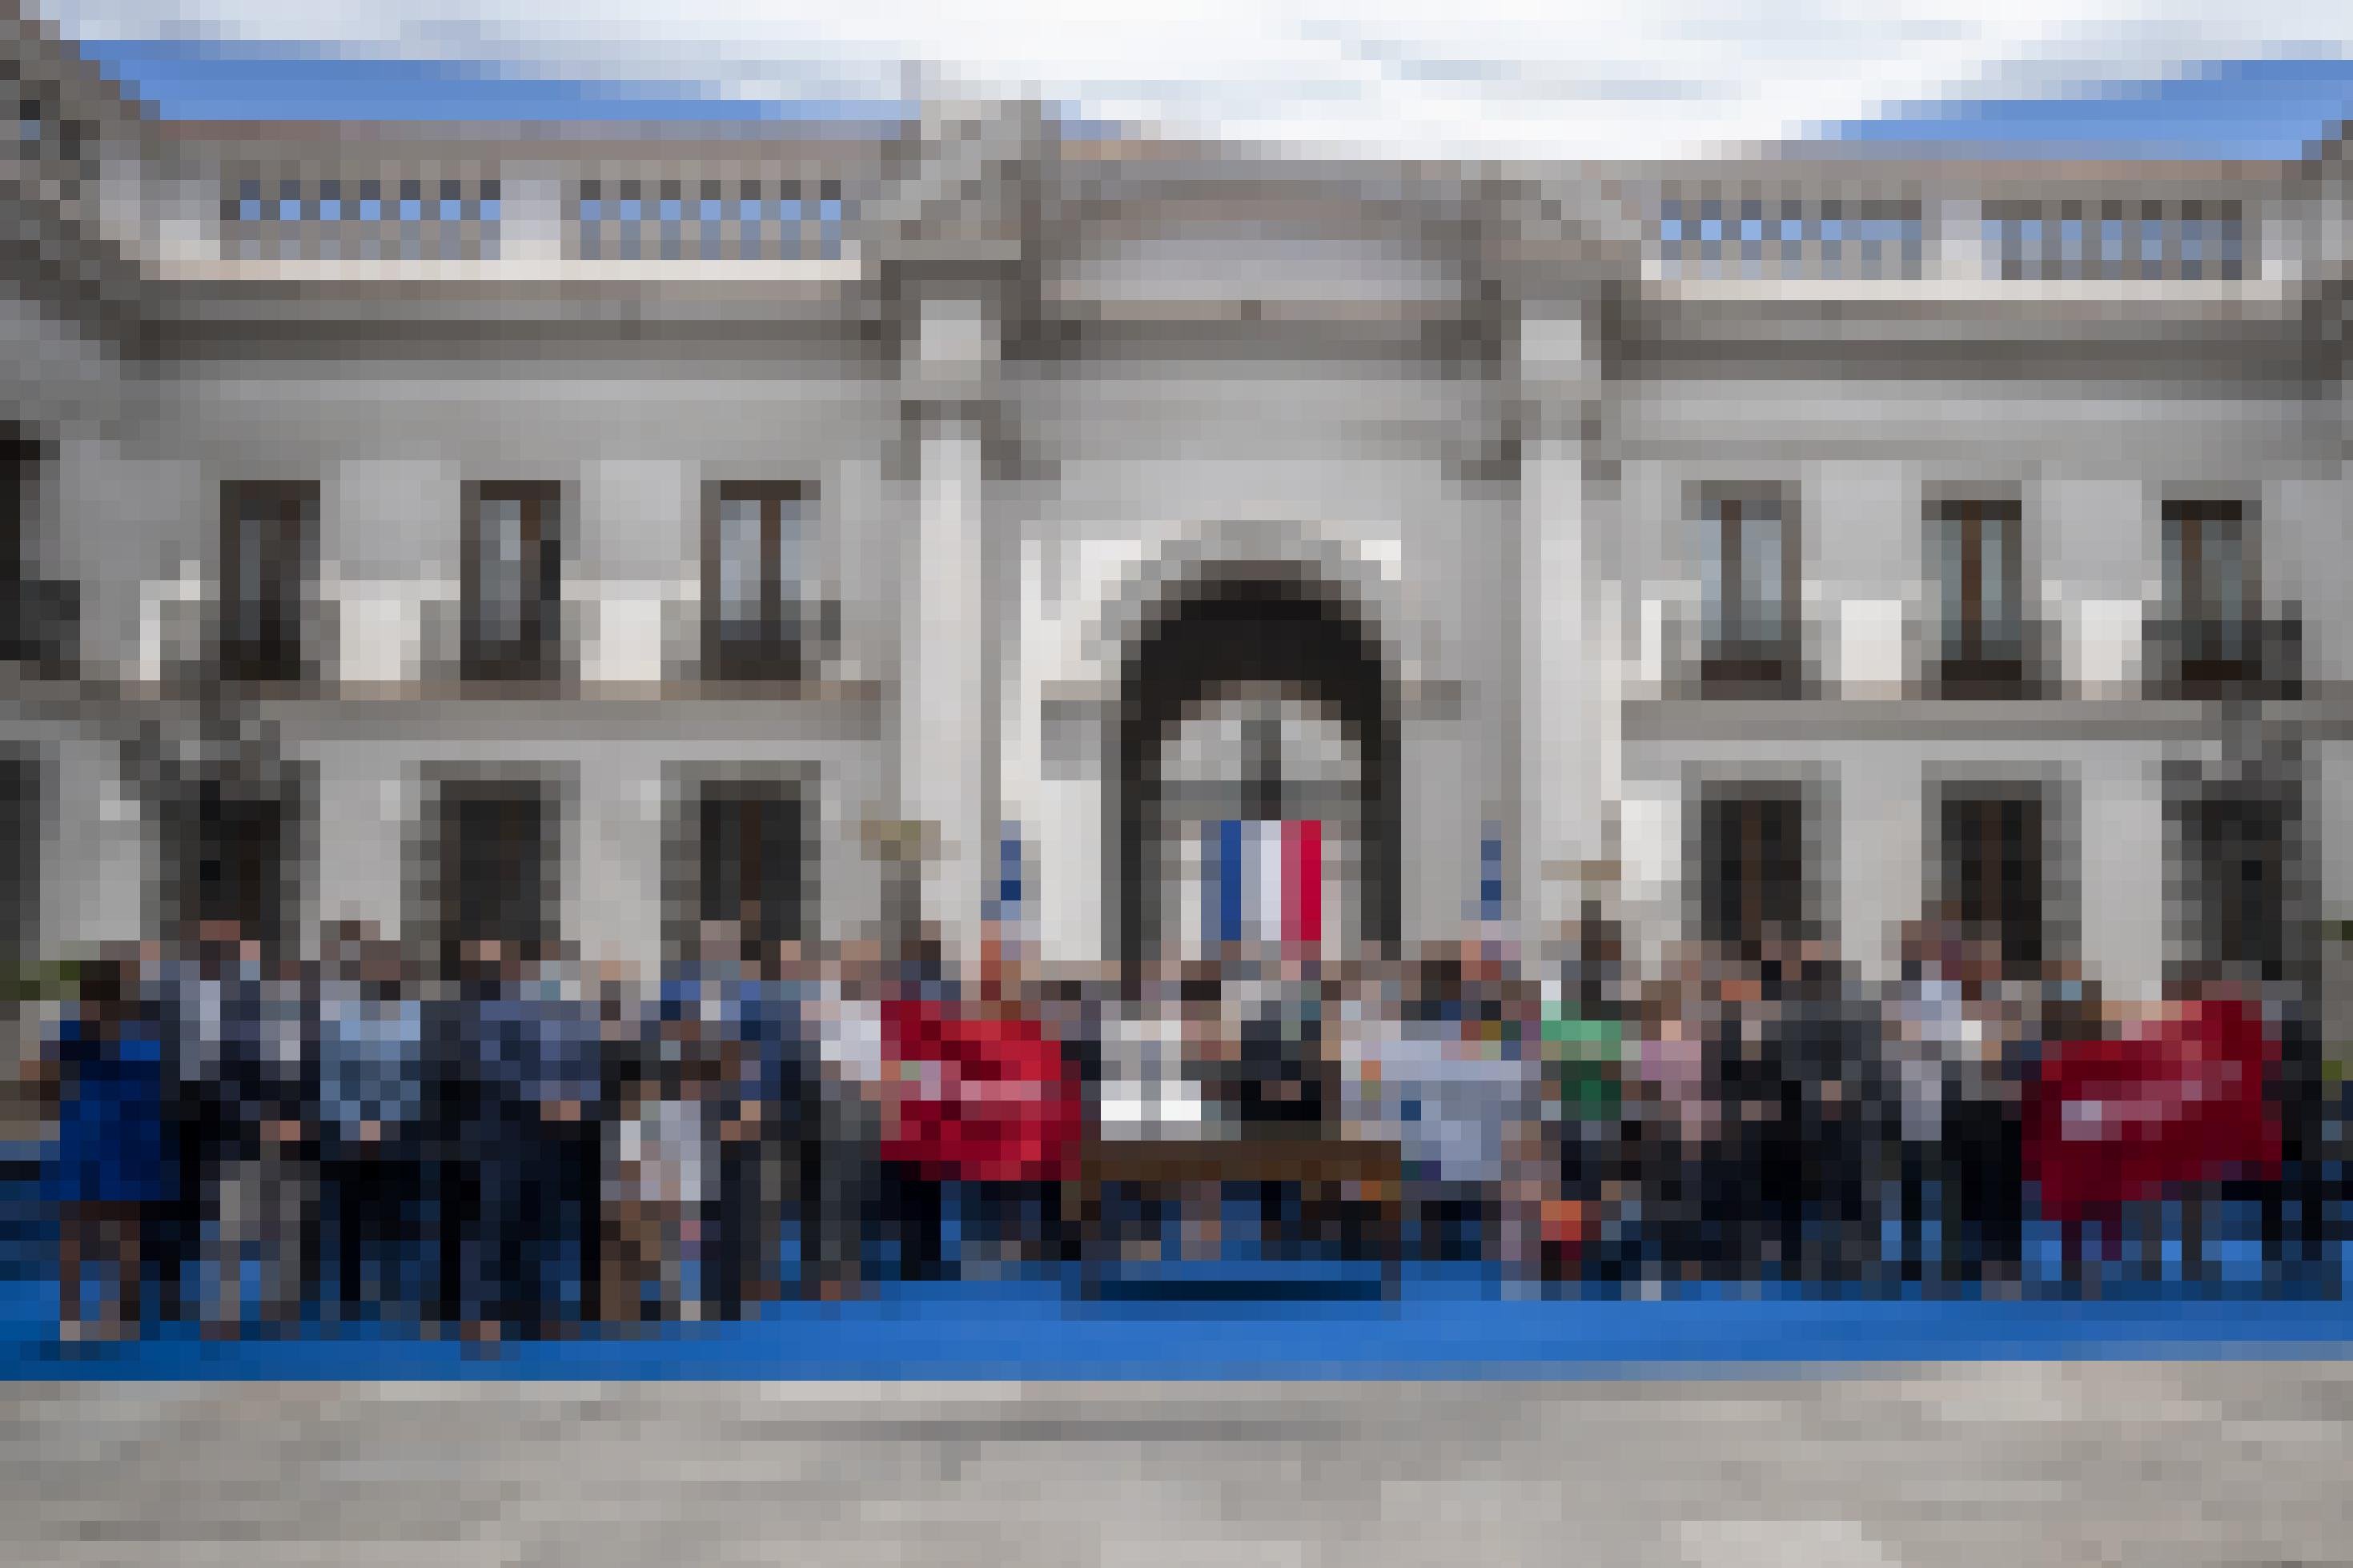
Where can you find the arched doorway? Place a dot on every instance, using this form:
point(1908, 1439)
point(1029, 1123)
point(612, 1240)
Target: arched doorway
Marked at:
point(1253, 696)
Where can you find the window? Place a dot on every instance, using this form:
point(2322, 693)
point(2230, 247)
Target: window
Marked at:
point(496, 865)
point(1993, 860)
point(264, 559)
point(2210, 584)
point(1978, 576)
point(751, 850)
point(751, 581)
point(232, 843)
point(1753, 865)
point(1746, 560)
point(2238, 859)
point(512, 587)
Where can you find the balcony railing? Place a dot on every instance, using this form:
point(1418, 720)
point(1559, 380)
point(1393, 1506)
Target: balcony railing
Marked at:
point(779, 218)
point(790, 647)
point(1706, 234)
point(2014, 667)
point(386, 216)
point(2195, 660)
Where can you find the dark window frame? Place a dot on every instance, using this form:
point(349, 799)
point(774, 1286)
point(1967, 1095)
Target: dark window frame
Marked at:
point(2241, 859)
point(773, 651)
point(468, 807)
point(1974, 658)
point(246, 838)
point(1995, 846)
point(271, 647)
point(2207, 659)
point(766, 824)
point(533, 654)
point(1732, 657)
point(1756, 881)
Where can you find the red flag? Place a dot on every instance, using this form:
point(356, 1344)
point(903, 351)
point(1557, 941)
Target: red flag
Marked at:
point(980, 1098)
point(2180, 1102)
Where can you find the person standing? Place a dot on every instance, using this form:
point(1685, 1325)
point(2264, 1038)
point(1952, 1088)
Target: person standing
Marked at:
point(560, 1147)
point(1583, 1033)
point(842, 1173)
point(2296, 1088)
point(1923, 1042)
point(745, 1028)
point(1668, 1065)
point(114, 1161)
point(261, 1203)
point(485, 1049)
point(188, 990)
point(371, 1100)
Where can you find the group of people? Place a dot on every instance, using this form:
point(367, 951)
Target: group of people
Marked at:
point(528, 1145)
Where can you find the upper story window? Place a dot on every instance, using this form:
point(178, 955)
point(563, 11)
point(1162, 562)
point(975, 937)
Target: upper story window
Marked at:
point(751, 580)
point(2211, 593)
point(513, 582)
point(1748, 560)
point(1980, 595)
point(265, 557)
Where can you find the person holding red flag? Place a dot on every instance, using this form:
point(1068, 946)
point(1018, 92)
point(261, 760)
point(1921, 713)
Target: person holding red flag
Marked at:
point(983, 1098)
point(2168, 1104)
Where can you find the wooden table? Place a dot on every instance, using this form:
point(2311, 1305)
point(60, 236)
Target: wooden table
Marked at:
point(1318, 1164)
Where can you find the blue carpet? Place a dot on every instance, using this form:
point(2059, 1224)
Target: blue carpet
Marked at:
point(1445, 1325)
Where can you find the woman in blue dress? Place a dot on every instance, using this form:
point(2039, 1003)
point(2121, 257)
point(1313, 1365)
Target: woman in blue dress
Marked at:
point(113, 1160)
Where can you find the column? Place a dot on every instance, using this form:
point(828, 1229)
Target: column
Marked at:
point(1570, 677)
point(947, 660)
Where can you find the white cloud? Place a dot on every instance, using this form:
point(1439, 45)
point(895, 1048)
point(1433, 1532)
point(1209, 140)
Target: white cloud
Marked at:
point(1422, 77)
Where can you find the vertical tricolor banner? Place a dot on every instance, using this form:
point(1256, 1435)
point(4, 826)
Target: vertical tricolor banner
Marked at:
point(1262, 882)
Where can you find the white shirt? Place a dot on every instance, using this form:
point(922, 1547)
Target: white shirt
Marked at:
point(852, 1044)
point(1934, 1034)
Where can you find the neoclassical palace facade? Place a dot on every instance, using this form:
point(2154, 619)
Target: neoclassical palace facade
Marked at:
point(578, 531)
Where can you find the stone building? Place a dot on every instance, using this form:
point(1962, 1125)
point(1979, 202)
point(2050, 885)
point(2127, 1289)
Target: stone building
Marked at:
point(578, 530)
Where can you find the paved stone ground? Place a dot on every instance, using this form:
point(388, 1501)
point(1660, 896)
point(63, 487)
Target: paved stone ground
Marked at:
point(2011, 1464)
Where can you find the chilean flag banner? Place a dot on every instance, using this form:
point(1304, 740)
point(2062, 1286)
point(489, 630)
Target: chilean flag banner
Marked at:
point(2113, 1121)
point(1263, 881)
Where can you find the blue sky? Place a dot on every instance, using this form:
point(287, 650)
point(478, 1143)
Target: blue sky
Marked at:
point(2147, 78)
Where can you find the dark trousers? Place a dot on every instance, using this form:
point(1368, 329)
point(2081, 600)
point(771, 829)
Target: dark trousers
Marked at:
point(1780, 1185)
point(370, 1198)
point(1988, 1157)
point(1024, 1212)
point(174, 1238)
point(1919, 1167)
point(842, 1196)
point(734, 1256)
point(2303, 1179)
point(461, 1287)
point(914, 1200)
point(538, 1209)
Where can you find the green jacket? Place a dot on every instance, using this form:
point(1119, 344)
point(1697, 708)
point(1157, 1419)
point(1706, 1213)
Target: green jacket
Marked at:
point(1585, 1062)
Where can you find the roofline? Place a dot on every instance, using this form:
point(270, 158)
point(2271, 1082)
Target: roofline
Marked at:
point(1804, 162)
